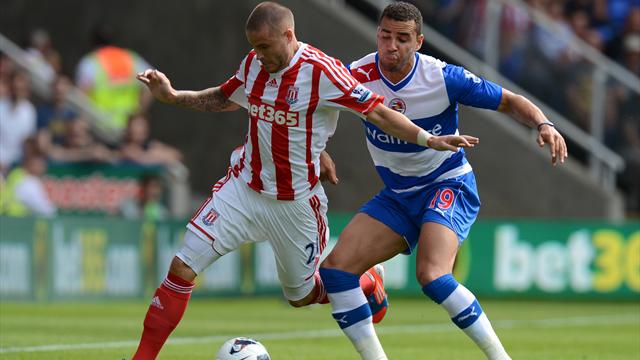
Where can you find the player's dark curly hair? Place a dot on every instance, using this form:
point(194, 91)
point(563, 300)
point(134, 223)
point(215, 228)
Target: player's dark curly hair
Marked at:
point(403, 11)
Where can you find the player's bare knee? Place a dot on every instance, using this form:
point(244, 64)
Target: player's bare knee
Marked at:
point(330, 262)
point(182, 270)
point(346, 263)
point(427, 275)
point(340, 258)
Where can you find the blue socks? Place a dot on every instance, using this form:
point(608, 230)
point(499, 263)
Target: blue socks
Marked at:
point(351, 311)
point(465, 311)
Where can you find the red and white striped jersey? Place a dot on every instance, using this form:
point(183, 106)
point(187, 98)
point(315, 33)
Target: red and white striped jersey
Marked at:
point(292, 114)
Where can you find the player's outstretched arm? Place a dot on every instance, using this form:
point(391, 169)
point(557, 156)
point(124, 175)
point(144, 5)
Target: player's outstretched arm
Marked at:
point(398, 125)
point(211, 99)
point(529, 114)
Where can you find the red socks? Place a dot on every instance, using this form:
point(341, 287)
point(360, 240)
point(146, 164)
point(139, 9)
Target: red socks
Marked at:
point(167, 307)
point(170, 302)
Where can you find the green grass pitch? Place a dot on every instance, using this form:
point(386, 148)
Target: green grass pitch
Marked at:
point(414, 329)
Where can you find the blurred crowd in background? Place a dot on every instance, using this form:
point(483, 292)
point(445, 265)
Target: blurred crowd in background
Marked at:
point(35, 132)
point(543, 59)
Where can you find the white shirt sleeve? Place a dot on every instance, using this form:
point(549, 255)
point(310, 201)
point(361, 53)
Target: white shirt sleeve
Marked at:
point(32, 194)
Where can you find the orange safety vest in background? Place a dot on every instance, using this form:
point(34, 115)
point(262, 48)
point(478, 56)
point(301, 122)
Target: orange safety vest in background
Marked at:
point(116, 91)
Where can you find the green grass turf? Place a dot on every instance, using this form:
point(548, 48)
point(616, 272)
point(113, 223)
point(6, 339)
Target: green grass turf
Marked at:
point(413, 329)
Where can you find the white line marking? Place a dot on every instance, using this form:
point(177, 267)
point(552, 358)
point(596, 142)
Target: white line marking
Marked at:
point(630, 318)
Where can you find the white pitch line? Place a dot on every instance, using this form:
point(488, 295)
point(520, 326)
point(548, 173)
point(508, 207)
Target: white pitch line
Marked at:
point(618, 319)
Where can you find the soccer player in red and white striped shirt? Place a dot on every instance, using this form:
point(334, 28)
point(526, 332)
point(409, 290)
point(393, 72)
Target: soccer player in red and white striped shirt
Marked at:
point(292, 93)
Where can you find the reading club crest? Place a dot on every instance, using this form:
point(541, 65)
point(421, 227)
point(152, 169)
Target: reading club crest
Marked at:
point(398, 105)
point(210, 217)
point(292, 95)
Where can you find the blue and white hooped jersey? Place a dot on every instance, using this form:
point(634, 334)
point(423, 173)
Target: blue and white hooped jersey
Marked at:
point(429, 96)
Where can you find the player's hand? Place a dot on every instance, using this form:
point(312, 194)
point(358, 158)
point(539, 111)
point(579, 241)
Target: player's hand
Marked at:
point(328, 169)
point(452, 142)
point(557, 145)
point(159, 85)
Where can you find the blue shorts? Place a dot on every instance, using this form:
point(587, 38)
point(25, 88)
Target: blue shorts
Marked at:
point(453, 203)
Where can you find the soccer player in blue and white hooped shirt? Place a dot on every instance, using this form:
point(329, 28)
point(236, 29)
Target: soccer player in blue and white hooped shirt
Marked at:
point(430, 199)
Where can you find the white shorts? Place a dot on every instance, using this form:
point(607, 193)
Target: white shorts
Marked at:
point(235, 214)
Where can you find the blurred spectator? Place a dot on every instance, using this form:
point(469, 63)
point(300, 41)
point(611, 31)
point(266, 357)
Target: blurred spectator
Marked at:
point(44, 58)
point(462, 21)
point(610, 17)
point(632, 53)
point(107, 76)
point(629, 148)
point(23, 192)
point(139, 148)
point(578, 91)
point(79, 145)
point(448, 15)
point(7, 68)
point(627, 43)
point(555, 42)
point(471, 32)
point(514, 25)
point(586, 6)
point(17, 121)
point(148, 206)
point(579, 76)
point(53, 115)
point(443, 15)
point(551, 56)
point(581, 26)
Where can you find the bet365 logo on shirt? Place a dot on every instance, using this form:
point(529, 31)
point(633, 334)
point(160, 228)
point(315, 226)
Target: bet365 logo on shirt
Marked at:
point(266, 112)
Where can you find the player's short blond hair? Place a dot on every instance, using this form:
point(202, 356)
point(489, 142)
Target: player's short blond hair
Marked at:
point(277, 17)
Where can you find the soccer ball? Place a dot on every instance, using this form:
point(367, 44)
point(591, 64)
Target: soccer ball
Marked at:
point(242, 348)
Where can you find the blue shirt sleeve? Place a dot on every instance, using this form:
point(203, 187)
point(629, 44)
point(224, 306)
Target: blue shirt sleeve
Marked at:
point(466, 88)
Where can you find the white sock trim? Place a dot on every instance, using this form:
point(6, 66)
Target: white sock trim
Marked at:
point(458, 300)
point(347, 300)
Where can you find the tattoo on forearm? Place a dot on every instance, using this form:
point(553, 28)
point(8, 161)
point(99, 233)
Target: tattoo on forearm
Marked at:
point(206, 100)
